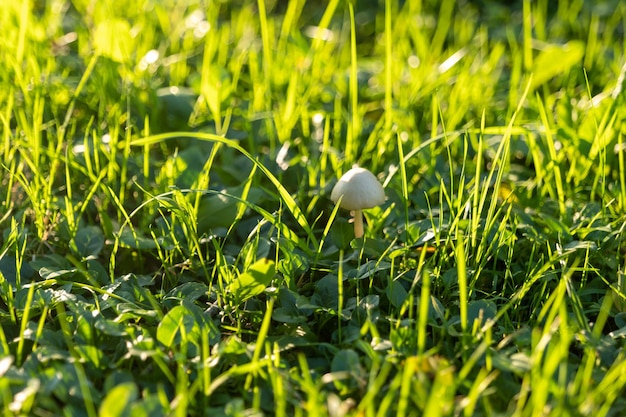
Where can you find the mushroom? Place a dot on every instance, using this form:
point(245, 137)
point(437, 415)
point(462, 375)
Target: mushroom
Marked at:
point(358, 189)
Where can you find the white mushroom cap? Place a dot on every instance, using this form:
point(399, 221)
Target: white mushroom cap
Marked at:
point(360, 190)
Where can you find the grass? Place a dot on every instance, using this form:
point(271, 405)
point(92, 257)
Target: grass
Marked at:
point(168, 243)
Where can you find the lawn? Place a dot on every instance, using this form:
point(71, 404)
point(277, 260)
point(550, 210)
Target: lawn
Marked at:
point(169, 245)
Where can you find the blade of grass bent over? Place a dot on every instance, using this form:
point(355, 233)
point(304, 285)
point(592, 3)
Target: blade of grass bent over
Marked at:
point(284, 194)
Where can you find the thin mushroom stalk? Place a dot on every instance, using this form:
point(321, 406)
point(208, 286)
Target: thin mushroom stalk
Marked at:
point(358, 224)
point(356, 190)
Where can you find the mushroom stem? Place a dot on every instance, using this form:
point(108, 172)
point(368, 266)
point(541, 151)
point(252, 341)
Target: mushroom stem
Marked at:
point(358, 223)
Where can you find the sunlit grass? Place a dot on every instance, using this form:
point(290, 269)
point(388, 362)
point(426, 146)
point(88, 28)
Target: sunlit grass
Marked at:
point(169, 247)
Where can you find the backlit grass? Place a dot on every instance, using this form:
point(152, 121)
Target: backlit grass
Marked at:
point(168, 242)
